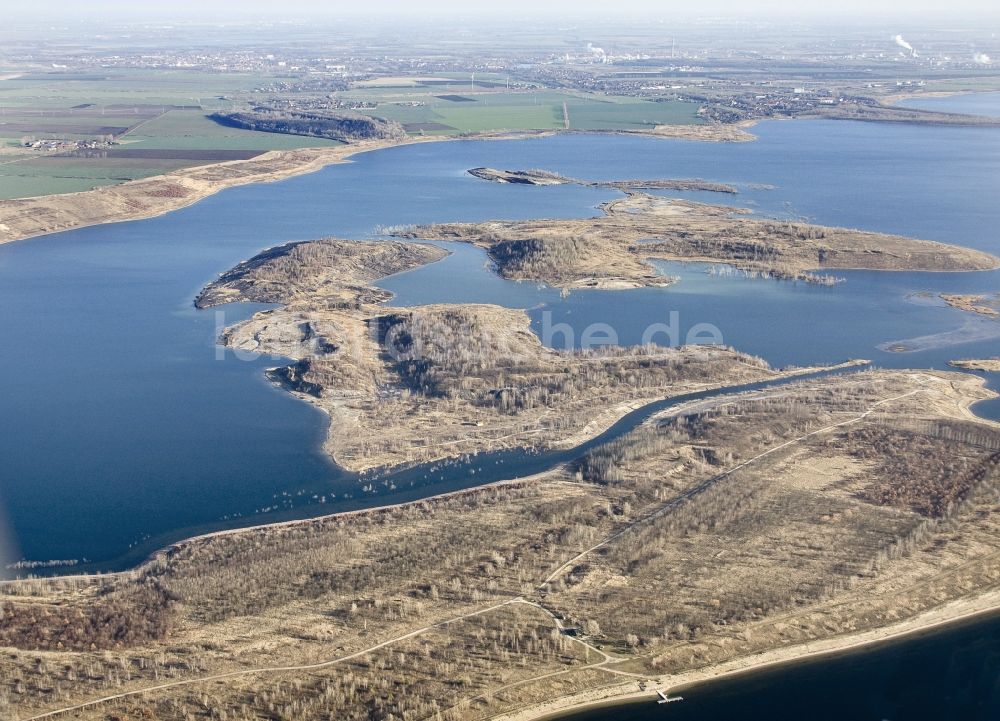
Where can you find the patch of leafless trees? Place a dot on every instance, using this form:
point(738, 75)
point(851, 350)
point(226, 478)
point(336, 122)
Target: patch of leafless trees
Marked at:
point(115, 617)
point(928, 473)
point(782, 546)
point(452, 353)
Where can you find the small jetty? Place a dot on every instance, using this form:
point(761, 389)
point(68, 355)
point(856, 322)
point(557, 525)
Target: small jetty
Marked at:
point(666, 698)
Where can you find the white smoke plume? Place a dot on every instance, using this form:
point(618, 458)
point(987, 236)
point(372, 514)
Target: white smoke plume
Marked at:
point(596, 50)
point(982, 59)
point(905, 45)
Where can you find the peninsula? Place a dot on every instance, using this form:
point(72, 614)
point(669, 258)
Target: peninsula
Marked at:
point(990, 365)
point(28, 217)
point(408, 385)
point(809, 516)
point(612, 250)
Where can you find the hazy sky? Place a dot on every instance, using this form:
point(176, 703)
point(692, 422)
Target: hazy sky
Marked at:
point(565, 8)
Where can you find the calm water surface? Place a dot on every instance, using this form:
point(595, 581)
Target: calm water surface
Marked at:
point(950, 674)
point(121, 429)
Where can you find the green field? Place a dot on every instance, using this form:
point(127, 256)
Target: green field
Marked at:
point(183, 129)
point(48, 174)
point(167, 111)
point(522, 110)
point(48, 106)
point(15, 186)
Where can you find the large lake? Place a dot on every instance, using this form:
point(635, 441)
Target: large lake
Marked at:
point(123, 429)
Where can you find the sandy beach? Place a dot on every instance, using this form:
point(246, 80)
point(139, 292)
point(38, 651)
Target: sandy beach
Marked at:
point(952, 612)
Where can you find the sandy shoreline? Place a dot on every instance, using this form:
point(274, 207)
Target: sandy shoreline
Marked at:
point(980, 586)
point(952, 612)
point(292, 163)
point(987, 365)
point(22, 218)
point(601, 423)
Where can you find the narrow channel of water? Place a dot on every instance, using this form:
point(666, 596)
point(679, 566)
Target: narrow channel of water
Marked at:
point(123, 425)
point(422, 480)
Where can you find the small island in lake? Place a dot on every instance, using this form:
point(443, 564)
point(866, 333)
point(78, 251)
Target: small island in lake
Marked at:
point(545, 177)
point(983, 304)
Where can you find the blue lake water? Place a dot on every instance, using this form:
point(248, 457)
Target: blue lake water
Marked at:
point(987, 104)
point(121, 429)
point(947, 674)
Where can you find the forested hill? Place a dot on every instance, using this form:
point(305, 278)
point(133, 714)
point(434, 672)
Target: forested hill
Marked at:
point(335, 126)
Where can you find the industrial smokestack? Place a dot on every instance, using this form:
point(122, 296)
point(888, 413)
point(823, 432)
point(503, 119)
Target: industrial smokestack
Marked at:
point(905, 45)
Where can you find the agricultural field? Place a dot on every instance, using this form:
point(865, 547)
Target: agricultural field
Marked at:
point(461, 108)
point(159, 121)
